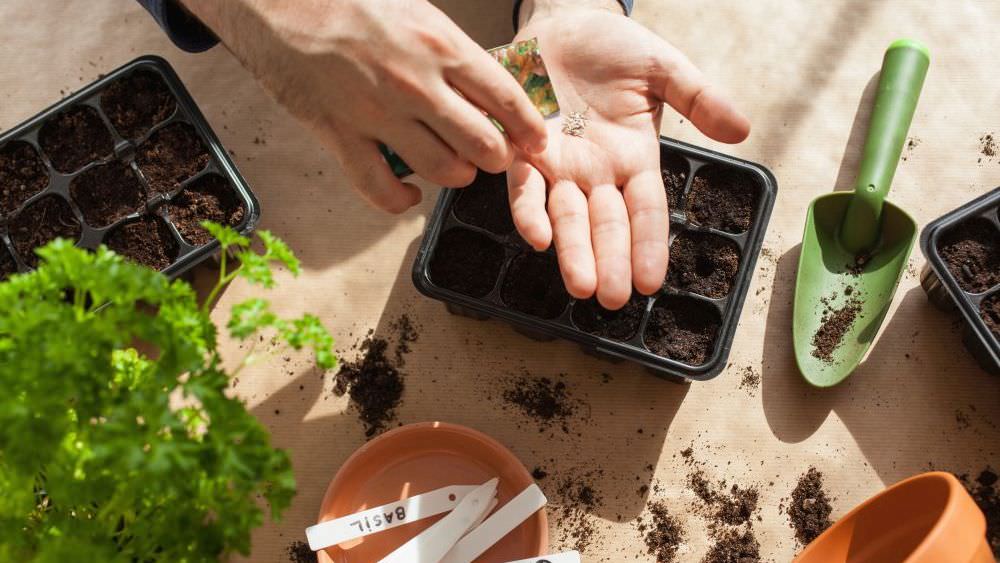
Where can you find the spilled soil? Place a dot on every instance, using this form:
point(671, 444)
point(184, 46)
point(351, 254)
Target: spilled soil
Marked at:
point(546, 402)
point(809, 511)
point(984, 490)
point(664, 536)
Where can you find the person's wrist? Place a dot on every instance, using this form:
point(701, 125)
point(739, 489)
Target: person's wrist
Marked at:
point(540, 9)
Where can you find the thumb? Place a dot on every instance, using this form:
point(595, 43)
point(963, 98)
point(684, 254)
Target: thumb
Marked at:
point(677, 82)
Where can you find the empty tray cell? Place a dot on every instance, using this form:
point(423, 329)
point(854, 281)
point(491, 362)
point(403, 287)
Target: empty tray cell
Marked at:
point(484, 203)
point(703, 263)
point(147, 241)
point(674, 168)
point(7, 265)
point(209, 198)
point(989, 310)
point(107, 193)
point(74, 138)
point(136, 103)
point(466, 262)
point(682, 329)
point(22, 175)
point(534, 286)
point(971, 251)
point(40, 223)
point(620, 325)
point(723, 198)
point(170, 156)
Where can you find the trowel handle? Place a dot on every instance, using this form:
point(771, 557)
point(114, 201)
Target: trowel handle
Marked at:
point(903, 70)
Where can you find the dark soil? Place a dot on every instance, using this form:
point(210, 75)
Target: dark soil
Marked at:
point(147, 241)
point(682, 329)
point(485, 204)
point(22, 175)
point(731, 508)
point(299, 552)
point(989, 310)
point(734, 546)
point(136, 103)
point(107, 193)
point(985, 492)
point(75, 137)
point(44, 221)
point(674, 169)
point(209, 198)
point(466, 262)
point(374, 382)
point(545, 401)
point(170, 156)
point(665, 535)
point(703, 263)
point(534, 286)
point(988, 146)
point(833, 326)
point(750, 380)
point(578, 500)
point(7, 265)
point(809, 512)
point(620, 325)
point(972, 253)
point(723, 198)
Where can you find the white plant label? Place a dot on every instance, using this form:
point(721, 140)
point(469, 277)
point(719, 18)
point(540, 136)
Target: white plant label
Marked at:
point(385, 517)
point(564, 557)
point(498, 525)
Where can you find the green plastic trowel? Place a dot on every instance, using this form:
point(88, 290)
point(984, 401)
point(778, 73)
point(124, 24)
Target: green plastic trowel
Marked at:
point(856, 244)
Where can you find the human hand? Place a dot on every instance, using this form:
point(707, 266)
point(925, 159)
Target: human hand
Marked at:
point(359, 72)
point(600, 195)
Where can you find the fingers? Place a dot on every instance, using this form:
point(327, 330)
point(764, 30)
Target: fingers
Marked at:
point(646, 201)
point(470, 133)
point(526, 188)
point(490, 87)
point(370, 175)
point(683, 86)
point(609, 225)
point(430, 157)
point(571, 233)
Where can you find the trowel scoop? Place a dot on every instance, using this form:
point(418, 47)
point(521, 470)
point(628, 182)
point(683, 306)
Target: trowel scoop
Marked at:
point(856, 245)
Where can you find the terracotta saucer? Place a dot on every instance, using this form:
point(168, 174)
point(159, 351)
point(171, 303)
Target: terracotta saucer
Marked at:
point(416, 459)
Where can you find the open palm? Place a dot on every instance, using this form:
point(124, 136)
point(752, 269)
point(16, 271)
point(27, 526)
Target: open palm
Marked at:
point(598, 195)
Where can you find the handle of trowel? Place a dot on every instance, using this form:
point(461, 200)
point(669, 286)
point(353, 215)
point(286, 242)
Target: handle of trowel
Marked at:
point(903, 70)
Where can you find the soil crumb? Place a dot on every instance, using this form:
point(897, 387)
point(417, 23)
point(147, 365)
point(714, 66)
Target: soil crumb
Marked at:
point(734, 546)
point(577, 500)
point(750, 381)
point(665, 534)
point(674, 169)
point(731, 508)
point(984, 491)
point(988, 146)
point(545, 401)
point(299, 552)
point(833, 327)
point(809, 512)
point(373, 381)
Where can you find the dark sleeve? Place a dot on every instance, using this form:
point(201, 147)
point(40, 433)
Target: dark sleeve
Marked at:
point(627, 5)
point(182, 28)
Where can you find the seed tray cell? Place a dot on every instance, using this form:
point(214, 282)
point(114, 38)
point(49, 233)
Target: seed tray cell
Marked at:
point(473, 260)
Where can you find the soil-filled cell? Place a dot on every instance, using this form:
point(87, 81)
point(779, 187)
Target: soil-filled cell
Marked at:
point(674, 168)
point(40, 223)
point(534, 286)
point(466, 262)
point(170, 156)
point(74, 138)
point(484, 203)
point(971, 251)
point(22, 175)
point(620, 325)
point(7, 265)
point(723, 198)
point(683, 329)
point(137, 102)
point(703, 263)
point(107, 193)
point(210, 198)
point(989, 310)
point(147, 241)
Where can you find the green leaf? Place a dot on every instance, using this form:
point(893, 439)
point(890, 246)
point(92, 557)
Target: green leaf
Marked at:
point(225, 235)
point(275, 249)
point(309, 331)
point(255, 268)
point(249, 317)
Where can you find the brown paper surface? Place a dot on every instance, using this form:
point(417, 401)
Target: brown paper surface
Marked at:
point(803, 72)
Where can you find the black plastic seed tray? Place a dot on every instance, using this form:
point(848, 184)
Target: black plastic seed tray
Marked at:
point(473, 260)
point(963, 272)
point(129, 161)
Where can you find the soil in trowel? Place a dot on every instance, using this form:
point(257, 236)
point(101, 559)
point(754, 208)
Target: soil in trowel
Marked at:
point(984, 491)
point(809, 512)
point(373, 381)
point(664, 536)
point(836, 322)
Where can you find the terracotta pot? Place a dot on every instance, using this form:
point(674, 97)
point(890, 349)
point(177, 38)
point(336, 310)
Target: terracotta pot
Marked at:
point(929, 518)
point(418, 458)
